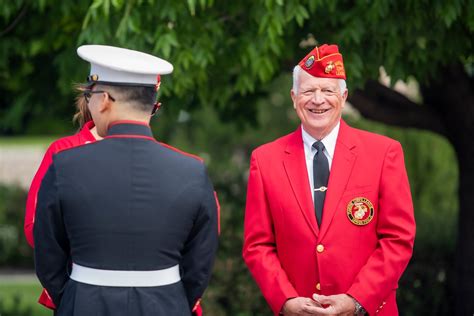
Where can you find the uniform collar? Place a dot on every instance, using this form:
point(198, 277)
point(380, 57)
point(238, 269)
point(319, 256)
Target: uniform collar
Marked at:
point(131, 128)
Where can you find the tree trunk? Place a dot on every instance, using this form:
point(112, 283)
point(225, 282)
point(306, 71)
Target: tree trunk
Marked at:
point(464, 290)
point(453, 98)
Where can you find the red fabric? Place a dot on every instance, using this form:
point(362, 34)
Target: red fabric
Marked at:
point(46, 300)
point(197, 309)
point(78, 139)
point(324, 61)
point(281, 236)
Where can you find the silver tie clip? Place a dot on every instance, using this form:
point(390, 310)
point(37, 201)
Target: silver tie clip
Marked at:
point(321, 189)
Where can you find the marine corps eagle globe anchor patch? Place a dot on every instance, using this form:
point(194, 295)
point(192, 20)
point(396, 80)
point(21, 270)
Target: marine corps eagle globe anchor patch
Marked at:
point(360, 211)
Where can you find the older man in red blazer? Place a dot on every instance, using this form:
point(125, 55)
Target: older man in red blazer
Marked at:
point(329, 223)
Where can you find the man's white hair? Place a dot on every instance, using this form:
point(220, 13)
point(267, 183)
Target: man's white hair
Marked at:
point(296, 80)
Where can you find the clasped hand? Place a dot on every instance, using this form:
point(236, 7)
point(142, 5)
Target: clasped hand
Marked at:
point(340, 305)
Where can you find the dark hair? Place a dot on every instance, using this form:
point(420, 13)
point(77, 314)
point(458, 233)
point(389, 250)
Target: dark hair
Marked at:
point(139, 98)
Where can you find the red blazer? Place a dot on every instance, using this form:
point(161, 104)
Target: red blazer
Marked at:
point(286, 252)
point(84, 136)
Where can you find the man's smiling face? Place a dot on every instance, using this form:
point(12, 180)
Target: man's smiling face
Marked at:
point(318, 103)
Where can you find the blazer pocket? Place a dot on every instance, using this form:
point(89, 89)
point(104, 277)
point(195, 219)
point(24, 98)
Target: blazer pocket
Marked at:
point(358, 189)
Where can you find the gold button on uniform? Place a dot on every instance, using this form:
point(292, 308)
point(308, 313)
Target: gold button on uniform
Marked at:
point(320, 248)
point(318, 287)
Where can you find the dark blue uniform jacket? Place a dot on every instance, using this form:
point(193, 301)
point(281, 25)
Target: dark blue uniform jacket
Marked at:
point(125, 203)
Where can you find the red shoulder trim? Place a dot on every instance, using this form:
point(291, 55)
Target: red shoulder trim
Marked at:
point(163, 144)
point(218, 213)
point(182, 152)
point(69, 148)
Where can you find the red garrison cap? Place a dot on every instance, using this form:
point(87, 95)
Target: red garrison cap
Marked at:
point(324, 61)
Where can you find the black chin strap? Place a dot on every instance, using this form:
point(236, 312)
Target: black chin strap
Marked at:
point(156, 107)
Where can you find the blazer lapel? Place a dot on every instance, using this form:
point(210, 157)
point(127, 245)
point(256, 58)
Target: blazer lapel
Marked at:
point(295, 167)
point(342, 164)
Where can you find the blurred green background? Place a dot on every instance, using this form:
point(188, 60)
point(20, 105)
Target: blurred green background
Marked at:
point(229, 93)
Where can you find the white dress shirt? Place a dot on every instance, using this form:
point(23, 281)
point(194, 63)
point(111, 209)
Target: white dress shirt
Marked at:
point(309, 151)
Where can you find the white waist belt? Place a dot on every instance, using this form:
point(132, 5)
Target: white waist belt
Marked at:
point(125, 278)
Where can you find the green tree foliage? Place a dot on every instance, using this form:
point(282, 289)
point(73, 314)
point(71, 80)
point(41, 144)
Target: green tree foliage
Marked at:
point(223, 51)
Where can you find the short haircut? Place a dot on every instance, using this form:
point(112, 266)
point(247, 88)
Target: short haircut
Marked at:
point(296, 79)
point(139, 98)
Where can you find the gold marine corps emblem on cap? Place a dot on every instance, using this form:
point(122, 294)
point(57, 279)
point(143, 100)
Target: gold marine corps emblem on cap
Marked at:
point(360, 211)
point(329, 67)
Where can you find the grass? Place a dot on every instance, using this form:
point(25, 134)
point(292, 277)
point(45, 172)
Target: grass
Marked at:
point(16, 297)
point(27, 141)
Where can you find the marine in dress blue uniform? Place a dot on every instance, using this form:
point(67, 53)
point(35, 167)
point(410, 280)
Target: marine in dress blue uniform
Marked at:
point(127, 225)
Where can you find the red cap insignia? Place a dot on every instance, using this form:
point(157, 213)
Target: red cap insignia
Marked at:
point(93, 78)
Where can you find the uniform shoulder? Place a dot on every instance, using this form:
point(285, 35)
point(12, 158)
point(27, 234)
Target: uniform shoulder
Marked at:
point(184, 164)
point(181, 152)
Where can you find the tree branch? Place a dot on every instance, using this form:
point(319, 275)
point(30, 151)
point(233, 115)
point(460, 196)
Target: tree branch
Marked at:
point(12, 25)
point(385, 105)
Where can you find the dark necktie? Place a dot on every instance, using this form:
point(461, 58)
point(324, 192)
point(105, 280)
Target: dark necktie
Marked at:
point(320, 176)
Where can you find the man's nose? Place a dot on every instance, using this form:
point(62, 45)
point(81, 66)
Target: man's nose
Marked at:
point(318, 97)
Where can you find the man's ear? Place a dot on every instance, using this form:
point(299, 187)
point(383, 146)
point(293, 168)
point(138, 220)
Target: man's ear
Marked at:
point(106, 103)
point(293, 97)
point(344, 97)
